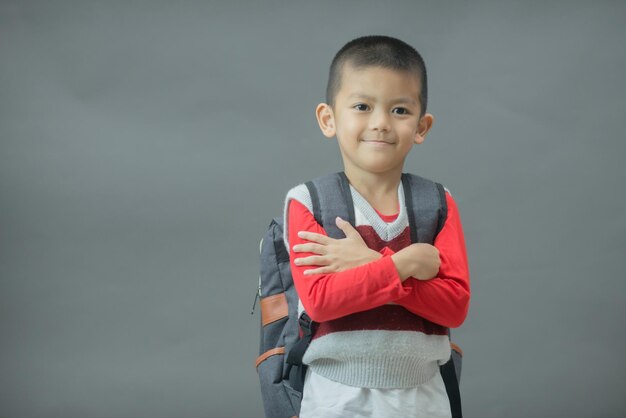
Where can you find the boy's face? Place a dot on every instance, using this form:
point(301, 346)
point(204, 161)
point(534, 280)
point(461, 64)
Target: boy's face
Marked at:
point(376, 119)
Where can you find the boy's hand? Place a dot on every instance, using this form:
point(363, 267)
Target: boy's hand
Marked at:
point(334, 255)
point(420, 261)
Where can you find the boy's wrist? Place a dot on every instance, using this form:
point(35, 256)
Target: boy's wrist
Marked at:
point(420, 261)
point(405, 262)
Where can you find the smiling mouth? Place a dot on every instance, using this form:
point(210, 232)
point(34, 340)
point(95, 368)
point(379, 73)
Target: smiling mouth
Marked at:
point(376, 141)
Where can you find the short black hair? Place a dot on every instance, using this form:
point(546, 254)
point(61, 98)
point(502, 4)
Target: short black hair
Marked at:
point(377, 51)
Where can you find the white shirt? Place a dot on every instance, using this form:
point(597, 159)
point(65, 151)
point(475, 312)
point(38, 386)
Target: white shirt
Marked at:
point(324, 398)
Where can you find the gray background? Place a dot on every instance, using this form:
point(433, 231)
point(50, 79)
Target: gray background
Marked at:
point(144, 147)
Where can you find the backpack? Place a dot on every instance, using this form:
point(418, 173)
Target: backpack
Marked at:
point(284, 336)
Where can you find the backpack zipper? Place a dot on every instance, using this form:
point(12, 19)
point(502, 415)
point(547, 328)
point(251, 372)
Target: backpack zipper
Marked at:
point(257, 296)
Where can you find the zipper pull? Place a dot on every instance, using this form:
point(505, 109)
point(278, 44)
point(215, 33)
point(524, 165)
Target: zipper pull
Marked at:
point(256, 297)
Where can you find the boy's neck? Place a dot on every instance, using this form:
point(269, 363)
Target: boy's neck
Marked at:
point(380, 190)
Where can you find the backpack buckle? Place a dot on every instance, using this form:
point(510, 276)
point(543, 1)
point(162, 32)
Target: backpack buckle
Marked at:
point(306, 324)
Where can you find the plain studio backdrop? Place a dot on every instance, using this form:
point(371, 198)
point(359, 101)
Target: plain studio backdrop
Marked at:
point(145, 146)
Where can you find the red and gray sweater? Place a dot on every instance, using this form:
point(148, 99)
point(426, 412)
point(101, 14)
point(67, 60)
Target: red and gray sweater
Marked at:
point(374, 330)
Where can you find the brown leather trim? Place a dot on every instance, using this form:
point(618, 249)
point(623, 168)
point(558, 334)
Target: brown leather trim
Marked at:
point(269, 353)
point(456, 348)
point(273, 308)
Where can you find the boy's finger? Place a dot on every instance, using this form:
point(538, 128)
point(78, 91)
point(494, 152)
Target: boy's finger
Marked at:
point(313, 260)
point(319, 270)
point(312, 236)
point(346, 227)
point(310, 248)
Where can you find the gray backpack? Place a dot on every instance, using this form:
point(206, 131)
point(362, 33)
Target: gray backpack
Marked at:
point(284, 336)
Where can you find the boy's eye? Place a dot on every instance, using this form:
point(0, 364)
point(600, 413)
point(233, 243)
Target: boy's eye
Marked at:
point(400, 111)
point(361, 106)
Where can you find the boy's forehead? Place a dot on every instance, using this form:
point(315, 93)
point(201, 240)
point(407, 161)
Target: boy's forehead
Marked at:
point(352, 77)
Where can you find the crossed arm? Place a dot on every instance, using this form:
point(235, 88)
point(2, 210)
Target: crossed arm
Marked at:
point(420, 261)
point(335, 278)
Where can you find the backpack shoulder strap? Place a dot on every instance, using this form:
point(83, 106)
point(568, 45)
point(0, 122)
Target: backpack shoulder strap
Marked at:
point(426, 205)
point(331, 197)
point(425, 201)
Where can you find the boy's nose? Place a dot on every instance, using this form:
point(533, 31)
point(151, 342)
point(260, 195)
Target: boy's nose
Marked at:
point(379, 121)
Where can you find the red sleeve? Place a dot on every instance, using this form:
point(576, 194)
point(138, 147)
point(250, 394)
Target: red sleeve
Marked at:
point(444, 299)
point(330, 296)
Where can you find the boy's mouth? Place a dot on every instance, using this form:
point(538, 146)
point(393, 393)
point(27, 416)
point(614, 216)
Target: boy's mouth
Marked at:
point(377, 141)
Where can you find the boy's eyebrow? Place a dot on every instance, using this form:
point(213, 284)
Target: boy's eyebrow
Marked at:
point(360, 96)
point(403, 99)
point(409, 100)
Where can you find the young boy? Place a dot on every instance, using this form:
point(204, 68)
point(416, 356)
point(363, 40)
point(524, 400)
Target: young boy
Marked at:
point(382, 304)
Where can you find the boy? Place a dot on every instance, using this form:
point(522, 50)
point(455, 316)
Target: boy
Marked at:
point(382, 304)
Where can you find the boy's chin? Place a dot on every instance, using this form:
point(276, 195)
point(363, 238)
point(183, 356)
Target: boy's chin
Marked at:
point(374, 168)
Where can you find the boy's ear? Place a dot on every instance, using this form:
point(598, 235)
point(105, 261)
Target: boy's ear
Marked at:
point(326, 119)
point(423, 126)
